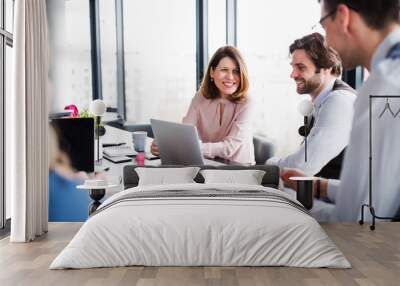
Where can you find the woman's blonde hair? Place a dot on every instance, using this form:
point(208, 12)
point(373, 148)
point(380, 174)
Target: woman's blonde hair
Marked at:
point(208, 89)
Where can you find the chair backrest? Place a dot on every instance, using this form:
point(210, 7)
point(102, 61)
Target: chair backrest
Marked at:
point(263, 149)
point(133, 127)
point(140, 127)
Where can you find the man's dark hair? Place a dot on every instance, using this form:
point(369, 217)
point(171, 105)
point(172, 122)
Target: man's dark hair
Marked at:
point(376, 13)
point(322, 56)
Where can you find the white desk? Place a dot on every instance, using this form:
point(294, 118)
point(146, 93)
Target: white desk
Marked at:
point(115, 135)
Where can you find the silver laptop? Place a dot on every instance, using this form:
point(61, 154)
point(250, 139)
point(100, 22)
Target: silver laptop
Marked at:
point(178, 143)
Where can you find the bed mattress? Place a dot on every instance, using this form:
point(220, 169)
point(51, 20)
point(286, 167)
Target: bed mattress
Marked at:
point(200, 225)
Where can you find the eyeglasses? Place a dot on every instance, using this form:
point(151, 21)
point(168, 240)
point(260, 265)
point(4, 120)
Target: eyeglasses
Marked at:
point(320, 22)
point(331, 13)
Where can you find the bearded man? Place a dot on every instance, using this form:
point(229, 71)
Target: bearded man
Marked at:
point(316, 69)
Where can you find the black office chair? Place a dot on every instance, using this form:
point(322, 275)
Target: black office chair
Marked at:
point(140, 127)
point(263, 149)
point(397, 215)
point(133, 127)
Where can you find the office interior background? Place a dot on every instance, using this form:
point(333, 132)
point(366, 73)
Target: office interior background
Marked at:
point(146, 58)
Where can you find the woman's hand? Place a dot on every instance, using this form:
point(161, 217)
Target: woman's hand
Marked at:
point(154, 149)
point(286, 173)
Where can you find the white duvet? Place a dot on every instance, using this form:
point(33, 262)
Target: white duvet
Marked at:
point(200, 231)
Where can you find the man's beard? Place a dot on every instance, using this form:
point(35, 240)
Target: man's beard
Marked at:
point(309, 85)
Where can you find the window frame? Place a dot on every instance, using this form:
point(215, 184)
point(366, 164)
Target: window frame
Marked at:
point(94, 16)
point(6, 39)
point(201, 39)
point(97, 91)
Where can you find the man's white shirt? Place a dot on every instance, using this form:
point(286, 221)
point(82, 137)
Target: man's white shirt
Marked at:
point(333, 113)
point(351, 191)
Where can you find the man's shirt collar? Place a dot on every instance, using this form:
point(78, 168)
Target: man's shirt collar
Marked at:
point(323, 94)
point(381, 51)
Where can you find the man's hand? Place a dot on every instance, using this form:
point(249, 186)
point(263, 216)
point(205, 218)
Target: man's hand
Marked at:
point(154, 149)
point(286, 173)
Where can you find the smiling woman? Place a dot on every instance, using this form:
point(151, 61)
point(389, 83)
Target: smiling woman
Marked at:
point(221, 110)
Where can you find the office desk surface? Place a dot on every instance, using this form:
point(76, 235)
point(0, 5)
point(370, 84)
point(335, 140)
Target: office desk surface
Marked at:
point(374, 255)
point(115, 135)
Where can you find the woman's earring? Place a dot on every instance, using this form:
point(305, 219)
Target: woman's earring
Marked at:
point(212, 79)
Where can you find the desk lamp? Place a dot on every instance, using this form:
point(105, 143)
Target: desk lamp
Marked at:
point(97, 108)
point(305, 108)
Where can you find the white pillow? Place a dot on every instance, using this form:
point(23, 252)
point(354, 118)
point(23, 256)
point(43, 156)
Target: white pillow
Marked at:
point(163, 176)
point(248, 177)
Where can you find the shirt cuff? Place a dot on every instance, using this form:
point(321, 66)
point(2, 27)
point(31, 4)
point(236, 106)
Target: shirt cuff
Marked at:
point(273, 161)
point(332, 189)
point(211, 150)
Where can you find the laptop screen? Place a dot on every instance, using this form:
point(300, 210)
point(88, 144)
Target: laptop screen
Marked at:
point(76, 137)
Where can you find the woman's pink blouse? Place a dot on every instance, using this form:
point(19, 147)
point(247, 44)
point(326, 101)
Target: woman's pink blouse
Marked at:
point(232, 138)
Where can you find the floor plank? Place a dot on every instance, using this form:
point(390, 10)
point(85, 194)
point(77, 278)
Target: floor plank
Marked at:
point(374, 255)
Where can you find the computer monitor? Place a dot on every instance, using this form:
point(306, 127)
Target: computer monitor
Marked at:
point(76, 137)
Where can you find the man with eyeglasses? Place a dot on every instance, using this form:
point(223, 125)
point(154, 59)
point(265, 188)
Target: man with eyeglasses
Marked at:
point(316, 70)
point(366, 33)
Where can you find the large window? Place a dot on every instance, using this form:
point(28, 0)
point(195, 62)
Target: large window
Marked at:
point(264, 33)
point(216, 25)
point(160, 58)
point(6, 43)
point(144, 55)
point(70, 62)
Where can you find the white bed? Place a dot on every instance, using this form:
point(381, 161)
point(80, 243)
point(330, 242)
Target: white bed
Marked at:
point(245, 228)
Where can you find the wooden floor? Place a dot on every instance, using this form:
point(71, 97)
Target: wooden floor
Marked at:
point(374, 255)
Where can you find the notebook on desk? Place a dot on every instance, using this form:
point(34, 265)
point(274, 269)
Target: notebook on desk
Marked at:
point(118, 151)
point(122, 151)
point(118, 159)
